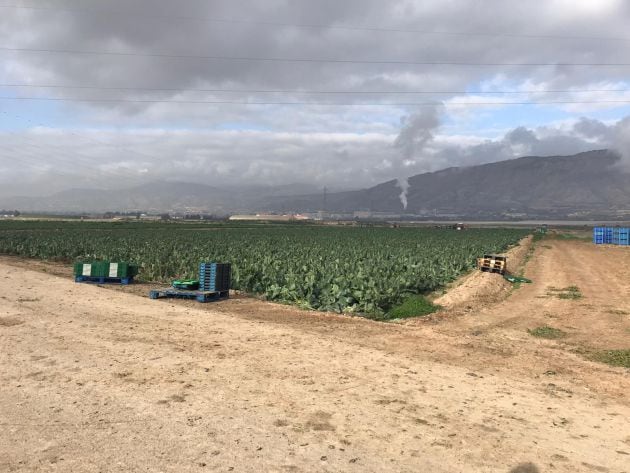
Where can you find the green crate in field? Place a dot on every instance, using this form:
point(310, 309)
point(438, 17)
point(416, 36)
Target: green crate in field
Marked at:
point(105, 269)
point(93, 268)
point(120, 270)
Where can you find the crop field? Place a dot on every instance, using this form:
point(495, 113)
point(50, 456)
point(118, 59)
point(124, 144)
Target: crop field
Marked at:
point(340, 269)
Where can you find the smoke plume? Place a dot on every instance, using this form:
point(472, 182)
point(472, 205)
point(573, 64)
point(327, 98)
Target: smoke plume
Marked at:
point(403, 183)
point(417, 131)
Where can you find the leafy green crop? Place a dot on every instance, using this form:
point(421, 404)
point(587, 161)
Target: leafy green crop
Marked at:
point(413, 306)
point(341, 269)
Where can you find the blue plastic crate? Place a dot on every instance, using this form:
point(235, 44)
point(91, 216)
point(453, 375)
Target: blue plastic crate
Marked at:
point(214, 276)
point(608, 235)
point(611, 235)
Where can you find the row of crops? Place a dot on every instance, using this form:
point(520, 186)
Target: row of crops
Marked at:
point(342, 269)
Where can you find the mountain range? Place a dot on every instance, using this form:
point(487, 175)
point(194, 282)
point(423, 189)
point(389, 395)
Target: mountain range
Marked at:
point(590, 183)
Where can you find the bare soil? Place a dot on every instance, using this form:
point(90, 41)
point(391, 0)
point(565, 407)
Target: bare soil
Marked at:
point(104, 379)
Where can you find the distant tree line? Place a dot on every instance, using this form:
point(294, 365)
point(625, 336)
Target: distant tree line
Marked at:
point(14, 213)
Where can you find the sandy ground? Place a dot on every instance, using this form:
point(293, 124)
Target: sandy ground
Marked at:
point(101, 379)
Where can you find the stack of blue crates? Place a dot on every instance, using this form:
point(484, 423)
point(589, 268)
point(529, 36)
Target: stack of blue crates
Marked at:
point(611, 236)
point(620, 236)
point(214, 277)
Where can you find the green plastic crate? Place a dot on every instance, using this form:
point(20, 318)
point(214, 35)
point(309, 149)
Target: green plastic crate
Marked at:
point(191, 284)
point(92, 268)
point(121, 270)
point(105, 269)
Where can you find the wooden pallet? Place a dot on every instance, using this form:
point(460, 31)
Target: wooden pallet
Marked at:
point(494, 264)
point(104, 280)
point(199, 296)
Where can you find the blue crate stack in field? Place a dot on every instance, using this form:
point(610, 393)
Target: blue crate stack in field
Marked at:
point(213, 285)
point(611, 236)
point(214, 277)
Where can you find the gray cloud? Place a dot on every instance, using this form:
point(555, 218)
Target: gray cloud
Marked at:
point(231, 158)
point(140, 31)
point(65, 144)
point(584, 135)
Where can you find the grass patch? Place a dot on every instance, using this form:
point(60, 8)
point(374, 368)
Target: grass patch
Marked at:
point(538, 236)
point(570, 292)
point(532, 248)
point(413, 306)
point(528, 256)
point(547, 332)
point(613, 357)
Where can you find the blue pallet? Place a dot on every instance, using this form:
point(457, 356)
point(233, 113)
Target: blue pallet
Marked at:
point(199, 296)
point(103, 280)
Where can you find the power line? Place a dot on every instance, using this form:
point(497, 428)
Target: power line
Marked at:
point(311, 60)
point(278, 24)
point(306, 92)
point(75, 162)
point(344, 104)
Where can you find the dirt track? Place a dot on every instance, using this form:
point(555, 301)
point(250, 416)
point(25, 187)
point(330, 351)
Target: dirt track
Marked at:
point(93, 379)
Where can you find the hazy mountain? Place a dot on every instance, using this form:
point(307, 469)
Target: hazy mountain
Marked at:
point(159, 196)
point(556, 185)
point(588, 182)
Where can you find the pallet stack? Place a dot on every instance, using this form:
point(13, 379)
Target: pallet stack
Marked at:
point(215, 277)
point(492, 264)
point(611, 236)
point(213, 285)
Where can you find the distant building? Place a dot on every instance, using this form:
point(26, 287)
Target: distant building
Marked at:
point(269, 218)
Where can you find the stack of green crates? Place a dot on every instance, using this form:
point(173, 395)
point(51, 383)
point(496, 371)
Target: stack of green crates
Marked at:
point(105, 269)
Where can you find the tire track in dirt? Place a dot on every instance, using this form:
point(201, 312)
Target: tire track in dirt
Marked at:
point(97, 379)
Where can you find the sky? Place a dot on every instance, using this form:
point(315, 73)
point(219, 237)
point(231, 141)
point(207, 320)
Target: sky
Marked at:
point(343, 95)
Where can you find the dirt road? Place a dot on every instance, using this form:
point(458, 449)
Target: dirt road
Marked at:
point(93, 379)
